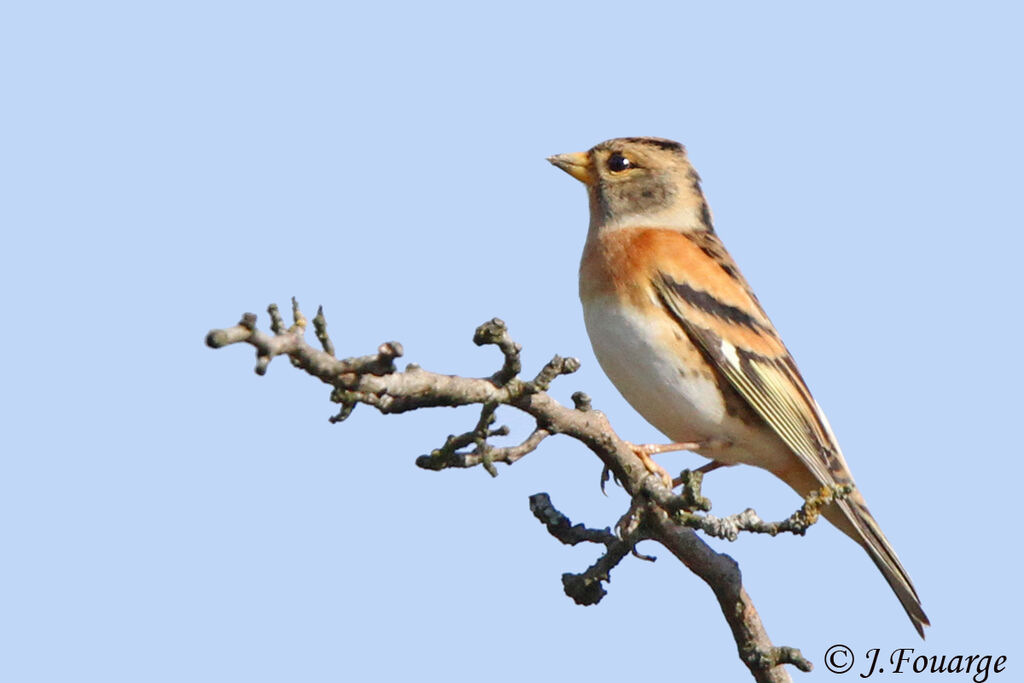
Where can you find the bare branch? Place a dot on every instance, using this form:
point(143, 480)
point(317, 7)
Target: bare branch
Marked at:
point(748, 520)
point(584, 588)
point(656, 512)
point(320, 326)
point(483, 453)
point(722, 574)
point(495, 332)
point(555, 367)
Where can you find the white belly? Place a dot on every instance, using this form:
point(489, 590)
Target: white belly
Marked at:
point(647, 363)
point(683, 404)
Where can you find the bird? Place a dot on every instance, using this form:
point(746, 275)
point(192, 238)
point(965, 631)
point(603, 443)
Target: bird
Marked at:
point(677, 329)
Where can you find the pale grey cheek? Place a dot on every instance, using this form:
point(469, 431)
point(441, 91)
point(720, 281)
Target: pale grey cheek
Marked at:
point(641, 197)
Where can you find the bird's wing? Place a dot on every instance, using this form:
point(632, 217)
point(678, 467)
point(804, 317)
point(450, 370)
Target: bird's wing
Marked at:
point(701, 287)
point(704, 291)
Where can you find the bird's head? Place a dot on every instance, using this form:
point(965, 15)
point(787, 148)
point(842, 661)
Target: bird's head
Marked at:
point(639, 182)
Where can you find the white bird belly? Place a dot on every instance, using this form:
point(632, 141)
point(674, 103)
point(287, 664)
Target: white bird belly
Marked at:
point(650, 372)
point(664, 376)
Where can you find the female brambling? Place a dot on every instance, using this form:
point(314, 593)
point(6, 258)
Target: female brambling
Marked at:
point(678, 330)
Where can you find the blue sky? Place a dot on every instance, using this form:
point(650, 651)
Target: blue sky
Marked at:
point(167, 515)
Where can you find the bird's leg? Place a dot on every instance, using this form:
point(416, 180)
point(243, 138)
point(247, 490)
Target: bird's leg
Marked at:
point(656, 448)
point(710, 467)
point(644, 451)
point(703, 469)
point(713, 445)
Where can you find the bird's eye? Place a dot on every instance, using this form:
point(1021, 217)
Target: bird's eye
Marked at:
point(618, 163)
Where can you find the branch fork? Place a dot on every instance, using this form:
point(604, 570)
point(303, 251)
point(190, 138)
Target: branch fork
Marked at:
point(656, 512)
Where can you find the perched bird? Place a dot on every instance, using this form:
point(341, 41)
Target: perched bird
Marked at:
point(677, 329)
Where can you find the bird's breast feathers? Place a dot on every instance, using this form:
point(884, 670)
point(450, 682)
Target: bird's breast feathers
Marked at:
point(646, 353)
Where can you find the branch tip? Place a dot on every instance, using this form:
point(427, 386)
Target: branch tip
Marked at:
point(299, 320)
point(320, 328)
point(581, 402)
point(390, 350)
point(276, 321)
point(555, 367)
point(584, 589)
point(494, 331)
point(790, 655)
point(346, 409)
point(490, 332)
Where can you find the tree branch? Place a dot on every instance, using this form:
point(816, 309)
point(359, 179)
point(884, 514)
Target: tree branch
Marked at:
point(656, 513)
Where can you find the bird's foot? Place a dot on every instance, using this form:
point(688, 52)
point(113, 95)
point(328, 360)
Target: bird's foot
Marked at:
point(644, 451)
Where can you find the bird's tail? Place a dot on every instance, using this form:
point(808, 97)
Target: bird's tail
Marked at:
point(851, 515)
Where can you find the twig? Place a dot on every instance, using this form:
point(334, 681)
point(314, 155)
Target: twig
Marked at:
point(585, 588)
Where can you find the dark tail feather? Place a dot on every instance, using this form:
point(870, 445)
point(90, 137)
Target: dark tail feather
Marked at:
point(856, 521)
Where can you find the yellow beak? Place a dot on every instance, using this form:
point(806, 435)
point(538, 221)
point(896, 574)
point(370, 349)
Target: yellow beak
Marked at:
point(576, 164)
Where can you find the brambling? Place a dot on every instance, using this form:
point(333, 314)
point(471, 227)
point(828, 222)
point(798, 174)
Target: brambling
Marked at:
point(677, 329)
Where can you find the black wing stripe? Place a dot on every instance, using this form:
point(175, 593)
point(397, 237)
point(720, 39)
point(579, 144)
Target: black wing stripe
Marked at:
point(763, 382)
point(706, 302)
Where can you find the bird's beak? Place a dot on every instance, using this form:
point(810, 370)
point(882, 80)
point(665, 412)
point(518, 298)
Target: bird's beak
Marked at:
point(576, 164)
